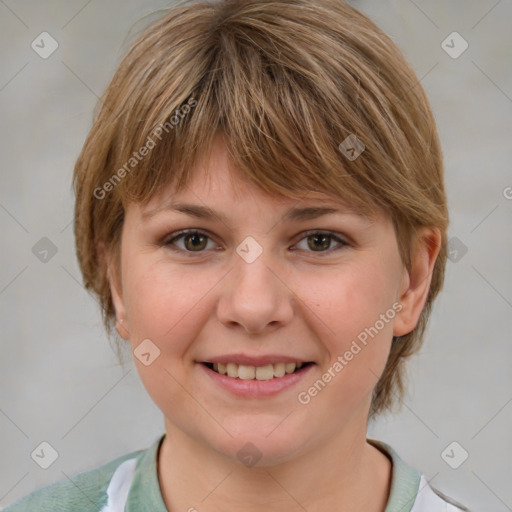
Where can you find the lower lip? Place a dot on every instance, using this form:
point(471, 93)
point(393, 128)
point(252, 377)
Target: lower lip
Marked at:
point(257, 388)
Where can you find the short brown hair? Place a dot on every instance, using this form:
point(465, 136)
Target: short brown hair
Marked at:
point(285, 82)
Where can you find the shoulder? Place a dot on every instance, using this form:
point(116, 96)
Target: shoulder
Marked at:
point(84, 492)
point(430, 499)
point(410, 490)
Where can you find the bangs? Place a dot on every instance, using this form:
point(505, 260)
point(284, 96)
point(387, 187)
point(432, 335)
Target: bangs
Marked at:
point(282, 130)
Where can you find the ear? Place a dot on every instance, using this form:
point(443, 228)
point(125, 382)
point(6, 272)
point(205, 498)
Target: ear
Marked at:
point(416, 282)
point(106, 258)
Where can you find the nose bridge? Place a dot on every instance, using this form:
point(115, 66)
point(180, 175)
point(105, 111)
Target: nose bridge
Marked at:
point(254, 297)
point(253, 275)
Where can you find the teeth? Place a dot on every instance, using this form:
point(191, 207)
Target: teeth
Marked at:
point(246, 372)
point(289, 367)
point(232, 370)
point(279, 369)
point(265, 372)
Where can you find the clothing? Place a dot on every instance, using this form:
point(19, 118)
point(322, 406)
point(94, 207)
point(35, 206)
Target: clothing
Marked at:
point(130, 484)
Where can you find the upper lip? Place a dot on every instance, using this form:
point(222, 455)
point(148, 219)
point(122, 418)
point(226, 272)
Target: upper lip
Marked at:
point(249, 360)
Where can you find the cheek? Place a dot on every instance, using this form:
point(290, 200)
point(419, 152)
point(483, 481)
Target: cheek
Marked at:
point(357, 308)
point(352, 299)
point(165, 304)
point(169, 307)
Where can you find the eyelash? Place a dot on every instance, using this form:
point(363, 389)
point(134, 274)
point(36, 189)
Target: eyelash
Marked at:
point(181, 234)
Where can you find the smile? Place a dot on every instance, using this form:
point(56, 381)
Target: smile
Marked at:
point(247, 372)
point(256, 381)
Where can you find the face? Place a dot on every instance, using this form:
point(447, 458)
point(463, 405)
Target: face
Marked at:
point(256, 285)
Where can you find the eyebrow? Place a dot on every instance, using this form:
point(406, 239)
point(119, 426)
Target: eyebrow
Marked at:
point(204, 212)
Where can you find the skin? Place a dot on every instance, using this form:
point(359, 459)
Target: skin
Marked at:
point(307, 301)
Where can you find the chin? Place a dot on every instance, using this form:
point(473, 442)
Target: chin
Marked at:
point(254, 445)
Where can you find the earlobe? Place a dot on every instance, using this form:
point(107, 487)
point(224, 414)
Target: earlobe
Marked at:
point(117, 299)
point(121, 329)
point(416, 282)
point(115, 291)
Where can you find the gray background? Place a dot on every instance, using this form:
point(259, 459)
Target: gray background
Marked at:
point(59, 378)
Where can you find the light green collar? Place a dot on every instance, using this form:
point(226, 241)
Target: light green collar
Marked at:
point(145, 491)
point(405, 480)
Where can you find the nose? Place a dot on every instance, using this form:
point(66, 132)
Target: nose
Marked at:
point(255, 296)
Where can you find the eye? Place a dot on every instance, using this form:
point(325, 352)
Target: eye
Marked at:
point(196, 241)
point(320, 241)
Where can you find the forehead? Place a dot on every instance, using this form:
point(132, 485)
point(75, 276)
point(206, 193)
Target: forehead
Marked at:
point(218, 196)
point(217, 182)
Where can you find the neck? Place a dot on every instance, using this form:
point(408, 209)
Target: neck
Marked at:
point(342, 474)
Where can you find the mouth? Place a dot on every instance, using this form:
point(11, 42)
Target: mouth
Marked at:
point(256, 382)
point(261, 373)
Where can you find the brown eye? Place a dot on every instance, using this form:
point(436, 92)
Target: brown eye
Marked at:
point(320, 242)
point(193, 241)
point(196, 241)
